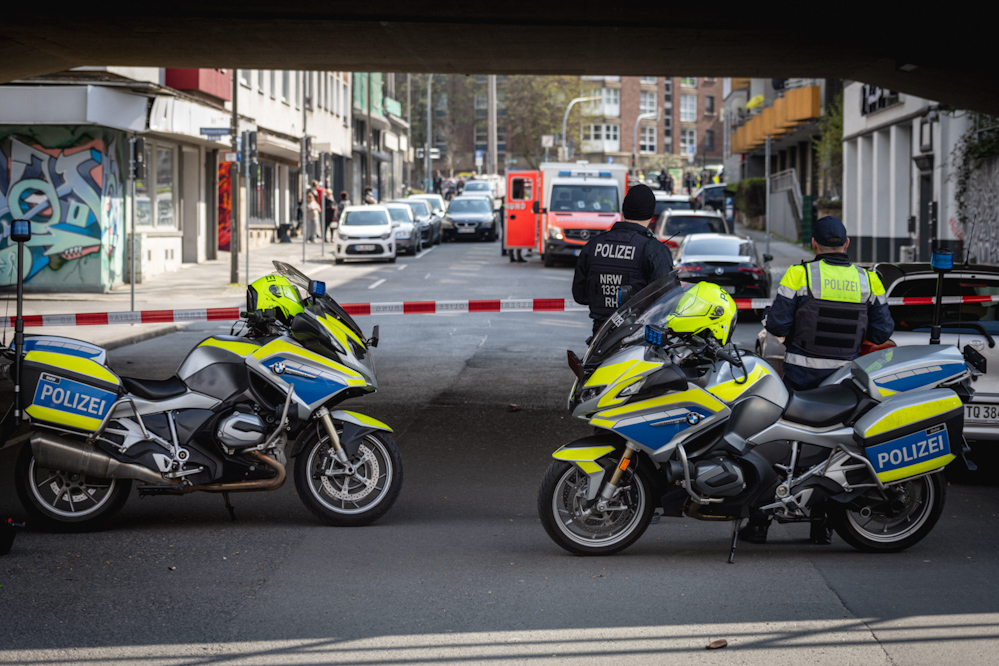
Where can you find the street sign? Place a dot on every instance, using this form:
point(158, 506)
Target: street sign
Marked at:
point(215, 131)
point(230, 157)
point(547, 140)
point(478, 158)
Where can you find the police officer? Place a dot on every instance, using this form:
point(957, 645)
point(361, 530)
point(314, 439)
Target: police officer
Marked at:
point(627, 254)
point(824, 309)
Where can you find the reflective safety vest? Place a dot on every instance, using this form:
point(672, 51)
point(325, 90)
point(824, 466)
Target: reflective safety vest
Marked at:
point(831, 322)
point(615, 261)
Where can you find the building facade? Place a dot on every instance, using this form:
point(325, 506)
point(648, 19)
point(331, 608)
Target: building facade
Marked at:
point(65, 149)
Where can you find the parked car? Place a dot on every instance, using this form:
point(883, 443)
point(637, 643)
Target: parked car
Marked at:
point(731, 262)
point(437, 208)
point(429, 224)
point(365, 232)
point(975, 324)
point(673, 227)
point(666, 200)
point(709, 197)
point(470, 216)
point(407, 233)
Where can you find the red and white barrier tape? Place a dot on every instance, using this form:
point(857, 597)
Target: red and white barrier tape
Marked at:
point(401, 307)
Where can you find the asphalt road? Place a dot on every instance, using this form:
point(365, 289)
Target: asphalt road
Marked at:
point(460, 570)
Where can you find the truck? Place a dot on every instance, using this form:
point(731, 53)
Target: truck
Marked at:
point(556, 209)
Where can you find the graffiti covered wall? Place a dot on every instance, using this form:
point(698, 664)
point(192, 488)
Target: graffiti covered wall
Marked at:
point(69, 182)
point(981, 230)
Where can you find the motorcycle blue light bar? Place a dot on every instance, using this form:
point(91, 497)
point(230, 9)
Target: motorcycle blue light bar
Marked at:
point(653, 335)
point(317, 288)
point(942, 260)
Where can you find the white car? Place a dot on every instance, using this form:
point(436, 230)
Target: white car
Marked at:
point(365, 232)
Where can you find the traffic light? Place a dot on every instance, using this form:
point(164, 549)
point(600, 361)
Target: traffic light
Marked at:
point(138, 158)
point(252, 145)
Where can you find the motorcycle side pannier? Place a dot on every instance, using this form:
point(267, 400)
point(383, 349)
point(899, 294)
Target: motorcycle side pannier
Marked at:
point(911, 434)
point(67, 391)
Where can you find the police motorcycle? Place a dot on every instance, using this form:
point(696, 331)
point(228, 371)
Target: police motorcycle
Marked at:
point(688, 425)
point(220, 425)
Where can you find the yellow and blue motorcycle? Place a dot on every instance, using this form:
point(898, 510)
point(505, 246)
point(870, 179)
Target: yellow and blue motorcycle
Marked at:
point(220, 425)
point(686, 424)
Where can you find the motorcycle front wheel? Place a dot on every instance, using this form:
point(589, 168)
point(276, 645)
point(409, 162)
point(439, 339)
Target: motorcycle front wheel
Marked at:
point(358, 493)
point(577, 526)
point(66, 501)
point(909, 514)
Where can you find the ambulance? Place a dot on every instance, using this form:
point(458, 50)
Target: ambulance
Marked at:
point(557, 209)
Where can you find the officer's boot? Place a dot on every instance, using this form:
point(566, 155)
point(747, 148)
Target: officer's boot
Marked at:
point(820, 532)
point(756, 530)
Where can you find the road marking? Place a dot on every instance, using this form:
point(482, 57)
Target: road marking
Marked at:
point(377, 283)
point(426, 252)
point(427, 276)
point(403, 266)
point(484, 338)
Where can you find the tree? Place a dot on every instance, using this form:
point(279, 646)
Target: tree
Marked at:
point(534, 107)
point(829, 148)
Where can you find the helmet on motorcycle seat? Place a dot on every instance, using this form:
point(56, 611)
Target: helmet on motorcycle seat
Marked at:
point(704, 309)
point(274, 292)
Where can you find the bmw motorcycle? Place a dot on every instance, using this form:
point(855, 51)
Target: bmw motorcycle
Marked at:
point(220, 425)
point(688, 425)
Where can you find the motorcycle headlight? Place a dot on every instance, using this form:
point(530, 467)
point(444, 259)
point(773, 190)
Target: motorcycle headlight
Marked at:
point(632, 389)
point(590, 393)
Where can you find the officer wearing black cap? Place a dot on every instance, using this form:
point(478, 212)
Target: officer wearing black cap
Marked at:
point(824, 309)
point(627, 254)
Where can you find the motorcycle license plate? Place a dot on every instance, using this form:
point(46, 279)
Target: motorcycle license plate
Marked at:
point(364, 248)
point(980, 413)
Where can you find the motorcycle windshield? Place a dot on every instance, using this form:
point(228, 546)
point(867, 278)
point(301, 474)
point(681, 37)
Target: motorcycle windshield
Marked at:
point(626, 327)
point(330, 306)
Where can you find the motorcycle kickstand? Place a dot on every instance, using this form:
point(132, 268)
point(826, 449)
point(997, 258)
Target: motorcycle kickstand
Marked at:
point(736, 524)
point(229, 506)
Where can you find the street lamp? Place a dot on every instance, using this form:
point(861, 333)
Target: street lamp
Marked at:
point(426, 156)
point(634, 138)
point(565, 119)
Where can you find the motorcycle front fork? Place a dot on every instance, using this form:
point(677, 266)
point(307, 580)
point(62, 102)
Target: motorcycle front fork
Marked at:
point(610, 489)
point(338, 451)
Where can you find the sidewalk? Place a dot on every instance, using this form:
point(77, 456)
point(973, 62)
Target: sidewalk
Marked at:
point(785, 254)
point(205, 285)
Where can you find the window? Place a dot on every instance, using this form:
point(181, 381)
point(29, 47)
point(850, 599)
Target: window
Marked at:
point(611, 132)
point(688, 82)
point(330, 93)
point(688, 142)
point(709, 139)
point(584, 198)
point(593, 132)
point(609, 103)
point(260, 81)
point(647, 102)
point(709, 104)
point(481, 101)
point(244, 77)
point(157, 211)
point(261, 194)
point(688, 108)
point(522, 189)
point(647, 139)
point(344, 97)
point(648, 80)
point(274, 85)
point(668, 92)
point(286, 86)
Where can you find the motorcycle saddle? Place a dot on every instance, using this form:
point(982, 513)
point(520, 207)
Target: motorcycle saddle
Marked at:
point(822, 406)
point(154, 389)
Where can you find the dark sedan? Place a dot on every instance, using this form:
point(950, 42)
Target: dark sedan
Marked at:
point(430, 224)
point(470, 217)
point(731, 262)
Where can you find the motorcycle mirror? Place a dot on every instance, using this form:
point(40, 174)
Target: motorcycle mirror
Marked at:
point(574, 364)
point(373, 340)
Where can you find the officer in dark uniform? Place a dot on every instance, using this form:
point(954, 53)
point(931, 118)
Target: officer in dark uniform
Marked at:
point(627, 254)
point(824, 310)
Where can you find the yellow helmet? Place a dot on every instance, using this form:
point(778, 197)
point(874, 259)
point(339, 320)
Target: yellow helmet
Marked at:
point(274, 292)
point(705, 308)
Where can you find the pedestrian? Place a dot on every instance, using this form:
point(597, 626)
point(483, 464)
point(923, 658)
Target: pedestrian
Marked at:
point(330, 215)
point(312, 213)
point(661, 179)
point(369, 197)
point(669, 183)
point(824, 310)
point(627, 255)
point(343, 203)
point(438, 182)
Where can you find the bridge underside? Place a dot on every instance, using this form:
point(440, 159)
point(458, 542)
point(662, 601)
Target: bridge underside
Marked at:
point(943, 57)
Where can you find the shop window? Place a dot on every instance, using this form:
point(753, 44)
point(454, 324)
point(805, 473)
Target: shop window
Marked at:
point(155, 195)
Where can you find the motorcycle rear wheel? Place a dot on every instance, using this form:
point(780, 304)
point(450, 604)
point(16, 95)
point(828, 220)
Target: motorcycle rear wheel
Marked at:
point(350, 500)
point(66, 501)
point(586, 531)
point(889, 529)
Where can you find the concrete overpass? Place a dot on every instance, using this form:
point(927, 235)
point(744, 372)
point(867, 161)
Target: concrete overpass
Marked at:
point(944, 54)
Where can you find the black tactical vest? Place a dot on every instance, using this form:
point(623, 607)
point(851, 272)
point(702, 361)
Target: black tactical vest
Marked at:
point(830, 328)
point(616, 258)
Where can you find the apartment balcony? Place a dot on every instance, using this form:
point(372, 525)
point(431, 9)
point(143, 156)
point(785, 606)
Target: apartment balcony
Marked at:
point(796, 107)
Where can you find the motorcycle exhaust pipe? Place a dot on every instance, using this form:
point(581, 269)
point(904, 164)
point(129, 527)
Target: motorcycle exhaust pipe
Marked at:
point(54, 452)
point(245, 486)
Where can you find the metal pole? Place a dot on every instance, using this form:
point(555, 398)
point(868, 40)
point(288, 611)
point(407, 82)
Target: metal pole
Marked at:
point(767, 174)
point(246, 252)
point(322, 205)
point(634, 140)
point(565, 120)
point(492, 163)
point(367, 140)
point(19, 331)
point(426, 157)
point(305, 169)
point(234, 185)
point(409, 129)
point(131, 187)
